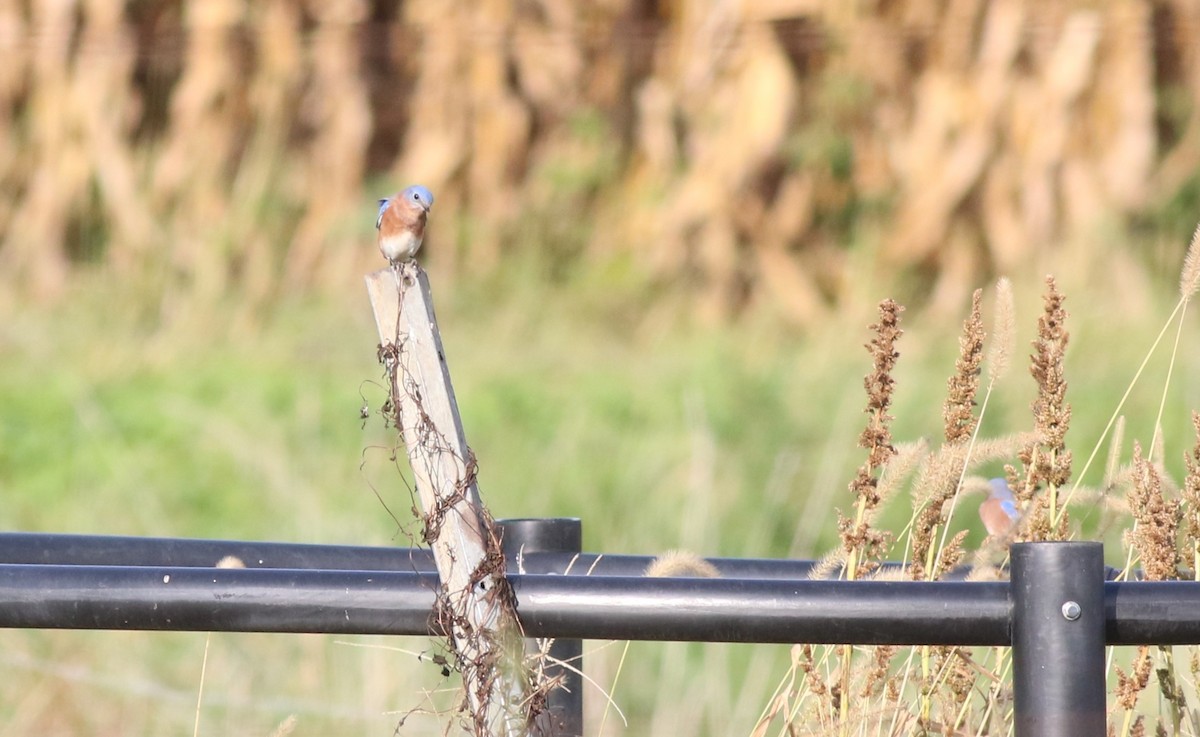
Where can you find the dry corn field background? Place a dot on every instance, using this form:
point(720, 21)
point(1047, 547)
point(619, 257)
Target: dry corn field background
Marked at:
point(728, 149)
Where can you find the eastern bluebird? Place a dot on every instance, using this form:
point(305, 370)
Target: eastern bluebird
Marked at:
point(401, 223)
point(999, 510)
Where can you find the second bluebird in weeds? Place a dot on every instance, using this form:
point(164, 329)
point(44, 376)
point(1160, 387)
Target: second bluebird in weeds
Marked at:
point(999, 510)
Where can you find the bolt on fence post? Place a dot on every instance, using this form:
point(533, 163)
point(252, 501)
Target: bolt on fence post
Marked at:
point(564, 706)
point(1057, 594)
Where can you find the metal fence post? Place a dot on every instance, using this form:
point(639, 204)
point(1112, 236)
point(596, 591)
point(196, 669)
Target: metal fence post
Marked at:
point(564, 707)
point(1057, 592)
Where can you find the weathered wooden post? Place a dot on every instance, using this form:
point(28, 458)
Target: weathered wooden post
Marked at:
point(477, 609)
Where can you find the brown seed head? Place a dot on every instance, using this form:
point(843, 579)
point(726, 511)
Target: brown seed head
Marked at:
point(1154, 535)
point(958, 409)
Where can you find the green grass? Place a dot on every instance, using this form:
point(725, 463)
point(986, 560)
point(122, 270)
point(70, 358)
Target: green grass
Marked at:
point(586, 398)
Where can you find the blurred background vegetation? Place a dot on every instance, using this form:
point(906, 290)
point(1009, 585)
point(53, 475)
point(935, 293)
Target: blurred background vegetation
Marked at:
point(660, 231)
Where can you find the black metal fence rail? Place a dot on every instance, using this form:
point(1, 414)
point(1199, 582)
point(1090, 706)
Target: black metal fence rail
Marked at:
point(1058, 612)
point(63, 549)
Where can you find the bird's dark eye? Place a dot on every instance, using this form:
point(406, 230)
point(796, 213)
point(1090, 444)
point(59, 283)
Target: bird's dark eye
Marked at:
point(417, 196)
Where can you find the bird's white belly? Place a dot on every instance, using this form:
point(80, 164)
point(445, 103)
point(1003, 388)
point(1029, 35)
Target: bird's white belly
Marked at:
point(400, 246)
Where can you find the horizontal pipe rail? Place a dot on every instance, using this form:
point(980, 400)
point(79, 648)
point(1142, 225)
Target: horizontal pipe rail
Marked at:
point(393, 603)
point(611, 607)
point(755, 610)
point(356, 579)
point(112, 550)
point(1152, 613)
point(216, 599)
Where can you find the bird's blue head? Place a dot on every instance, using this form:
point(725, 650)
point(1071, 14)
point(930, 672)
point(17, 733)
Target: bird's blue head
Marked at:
point(419, 196)
point(1000, 490)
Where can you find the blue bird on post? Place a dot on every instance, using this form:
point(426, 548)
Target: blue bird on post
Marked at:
point(999, 510)
point(401, 223)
